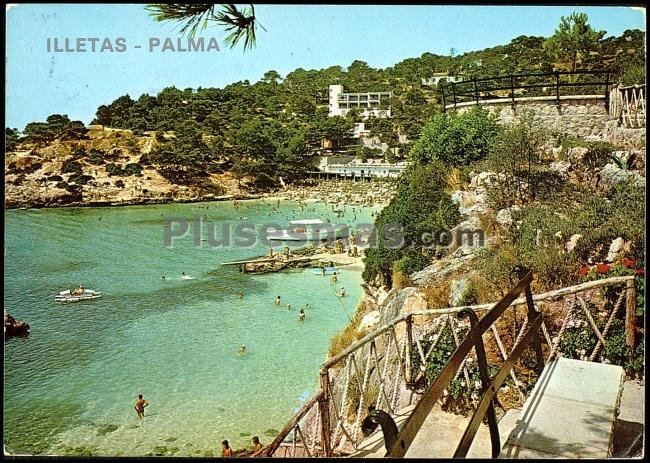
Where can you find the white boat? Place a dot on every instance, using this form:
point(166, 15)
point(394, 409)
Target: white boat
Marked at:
point(309, 230)
point(87, 295)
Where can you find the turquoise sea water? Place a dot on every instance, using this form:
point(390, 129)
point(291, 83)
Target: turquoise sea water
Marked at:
point(70, 386)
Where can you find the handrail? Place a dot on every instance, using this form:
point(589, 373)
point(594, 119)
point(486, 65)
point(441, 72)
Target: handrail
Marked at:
point(446, 376)
point(273, 446)
point(327, 403)
point(472, 90)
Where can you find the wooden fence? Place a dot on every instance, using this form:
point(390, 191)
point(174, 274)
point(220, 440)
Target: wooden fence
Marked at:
point(627, 105)
point(378, 370)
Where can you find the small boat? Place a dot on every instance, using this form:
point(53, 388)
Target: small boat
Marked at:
point(328, 270)
point(87, 295)
point(309, 230)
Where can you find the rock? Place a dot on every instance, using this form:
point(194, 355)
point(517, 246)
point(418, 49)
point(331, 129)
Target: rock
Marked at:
point(576, 154)
point(458, 291)
point(573, 242)
point(14, 327)
point(439, 269)
point(615, 249)
point(369, 322)
point(504, 216)
point(560, 167)
point(611, 175)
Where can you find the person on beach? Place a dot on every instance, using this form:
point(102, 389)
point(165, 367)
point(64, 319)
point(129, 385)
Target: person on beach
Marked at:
point(277, 300)
point(226, 451)
point(257, 446)
point(301, 315)
point(140, 404)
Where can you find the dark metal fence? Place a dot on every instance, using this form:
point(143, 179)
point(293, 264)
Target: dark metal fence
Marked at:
point(552, 85)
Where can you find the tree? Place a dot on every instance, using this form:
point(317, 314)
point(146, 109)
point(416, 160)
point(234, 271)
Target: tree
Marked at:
point(240, 24)
point(12, 136)
point(573, 39)
point(456, 140)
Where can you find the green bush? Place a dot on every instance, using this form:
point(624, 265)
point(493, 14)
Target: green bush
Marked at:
point(420, 209)
point(71, 167)
point(96, 157)
point(456, 139)
point(112, 170)
point(133, 169)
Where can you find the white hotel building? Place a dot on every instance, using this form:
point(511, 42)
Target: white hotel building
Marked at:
point(376, 104)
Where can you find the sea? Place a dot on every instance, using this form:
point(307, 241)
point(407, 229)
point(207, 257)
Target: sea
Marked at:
point(70, 386)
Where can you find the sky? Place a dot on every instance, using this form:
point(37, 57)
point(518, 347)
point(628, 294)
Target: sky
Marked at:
point(40, 83)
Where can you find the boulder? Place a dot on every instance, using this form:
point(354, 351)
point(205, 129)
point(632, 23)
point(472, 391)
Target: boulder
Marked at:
point(576, 154)
point(14, 327)
point(504, 216)
point(458, 291)
point(369, 322)
point(573, 242)
point(615, 249)
point(611, 175)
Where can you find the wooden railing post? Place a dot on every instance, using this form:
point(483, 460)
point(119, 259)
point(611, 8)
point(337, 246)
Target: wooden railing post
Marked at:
point(324, 410)
point(607, 91)
point(453, 90)
point(481, 359)
point(476, 90)
point(557, 86)
point(409, 350)
point(512, 88)
point(536, 342)
point(630, 317)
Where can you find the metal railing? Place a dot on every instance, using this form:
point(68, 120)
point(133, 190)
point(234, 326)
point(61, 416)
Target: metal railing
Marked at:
point(378, 370)
point(513, 87)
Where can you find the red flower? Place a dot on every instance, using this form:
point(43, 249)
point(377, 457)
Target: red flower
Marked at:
point(629, 263)
point(584, 270)
point(602, 268)
point(640, 272)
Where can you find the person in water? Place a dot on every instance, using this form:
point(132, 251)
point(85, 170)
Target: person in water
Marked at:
point(241, 295)
point(257, 446)
point(301, 315)
point(288, 306)
point(342, 291)
point(162, 277)
point(334, 278)
point(242, 349)
point(277, 300)
point(226, 451)
point(140, 404)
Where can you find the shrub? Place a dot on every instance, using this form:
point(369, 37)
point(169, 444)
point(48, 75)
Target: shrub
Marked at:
point(112, 170)
point(516, 156)
point(96, 157)
point(407, 228)
point(119, 184)
point(71, 167)
point(456, 139)
point(133, 169)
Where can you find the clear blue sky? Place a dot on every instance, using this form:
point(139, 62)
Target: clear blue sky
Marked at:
point(312, 37)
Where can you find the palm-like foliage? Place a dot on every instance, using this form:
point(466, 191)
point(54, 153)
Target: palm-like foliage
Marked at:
point(240, 23)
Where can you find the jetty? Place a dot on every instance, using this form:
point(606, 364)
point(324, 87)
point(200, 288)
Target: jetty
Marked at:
point(280, 261)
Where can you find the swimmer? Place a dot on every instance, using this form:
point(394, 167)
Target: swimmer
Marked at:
point(342, 292)
point(301, 315)
point(288, 306)
point(334, 278)
point(162, 277)
point(242, 349)
point(277, 300)
point(241, 295)
point(140, 404)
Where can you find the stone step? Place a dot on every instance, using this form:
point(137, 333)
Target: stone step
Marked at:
point(570, 413)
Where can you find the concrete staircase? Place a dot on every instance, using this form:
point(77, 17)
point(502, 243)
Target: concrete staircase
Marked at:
point(571, 413)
